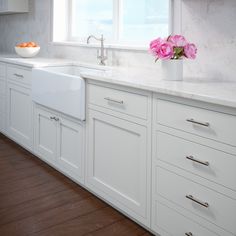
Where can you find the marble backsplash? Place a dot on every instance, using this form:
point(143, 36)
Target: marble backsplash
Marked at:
point(208, 23)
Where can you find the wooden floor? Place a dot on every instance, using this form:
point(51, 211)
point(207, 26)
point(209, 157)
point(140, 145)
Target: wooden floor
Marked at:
point(37, 200)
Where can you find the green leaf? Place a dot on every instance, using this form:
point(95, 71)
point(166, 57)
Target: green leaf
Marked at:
point(178, 50)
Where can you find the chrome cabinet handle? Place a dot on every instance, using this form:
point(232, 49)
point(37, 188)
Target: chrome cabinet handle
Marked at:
point(204, 204)
point(206, 124)
point(54, 118)
point(19, 76)
point(114, 100)
point(191, 158)
point(189, 234)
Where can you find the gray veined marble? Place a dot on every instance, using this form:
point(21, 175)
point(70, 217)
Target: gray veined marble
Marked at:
point(206, 90)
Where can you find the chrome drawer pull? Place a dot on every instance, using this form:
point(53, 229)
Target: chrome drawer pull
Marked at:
point(204, 204)
point(189, 234)
point(206, 124)
point(54, 118)
point(18, 75)
point(191, 158)
point(114, 100)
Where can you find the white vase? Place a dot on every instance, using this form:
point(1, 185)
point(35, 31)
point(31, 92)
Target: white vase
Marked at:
point(172, 69)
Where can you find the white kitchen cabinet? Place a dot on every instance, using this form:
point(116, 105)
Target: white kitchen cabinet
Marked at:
point(45, 135)
point(13, 6)
point(70, 148)
point(19, 115)
point(187, 188)
point(192, 168)
point(118, 160)
point(59, 140)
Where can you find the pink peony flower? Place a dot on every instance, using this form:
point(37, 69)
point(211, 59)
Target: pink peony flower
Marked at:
point(155, 45)
point(178, 40)
point(166, 51)
point(174, 47)
point(190, 51)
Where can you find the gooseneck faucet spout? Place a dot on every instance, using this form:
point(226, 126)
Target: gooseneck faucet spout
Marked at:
point(102, 56)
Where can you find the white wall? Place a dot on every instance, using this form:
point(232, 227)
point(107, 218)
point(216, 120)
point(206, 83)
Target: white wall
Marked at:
point(208, 23)
point(211, 24)
point(34, 25)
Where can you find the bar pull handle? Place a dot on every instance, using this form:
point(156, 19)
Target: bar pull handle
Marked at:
point(193, 121)
point(191, 158)
point(189, 234)
point(19, 76)
point(204, 204)
point(114, 100)
point(54, 118)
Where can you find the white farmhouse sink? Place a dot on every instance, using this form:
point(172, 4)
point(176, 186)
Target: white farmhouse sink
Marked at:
point(61, 88)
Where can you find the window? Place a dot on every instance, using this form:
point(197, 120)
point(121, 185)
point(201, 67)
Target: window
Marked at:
point(91, 17)
point(122, 22)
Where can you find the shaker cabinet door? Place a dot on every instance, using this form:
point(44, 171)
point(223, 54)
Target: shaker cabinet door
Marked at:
point(19, 115)
point(70, 148)
point(118, 163)
point(45, 135)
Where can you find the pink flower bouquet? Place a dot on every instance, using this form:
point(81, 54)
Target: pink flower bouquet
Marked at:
point(173, 48)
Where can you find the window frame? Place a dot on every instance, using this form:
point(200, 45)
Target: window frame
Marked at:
point(175, 22)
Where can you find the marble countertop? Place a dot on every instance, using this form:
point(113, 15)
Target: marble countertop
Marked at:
point(33, 62)
point(215, 92)
point(211, 91)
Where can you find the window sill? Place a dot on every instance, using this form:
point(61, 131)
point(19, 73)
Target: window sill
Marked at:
point(107, 46)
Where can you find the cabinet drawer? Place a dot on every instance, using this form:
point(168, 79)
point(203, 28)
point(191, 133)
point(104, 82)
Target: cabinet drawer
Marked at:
point(125, 102)
point(202, 122)
point(206, 162)
point(176, 224)
point(2, 70)
point(19, 75)
point(221, 210)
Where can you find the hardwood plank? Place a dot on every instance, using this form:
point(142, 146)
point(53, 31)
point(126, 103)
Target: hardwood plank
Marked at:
point(52, 217)
point(33, 181)
point(7, 151)
point(15, 175)
point(120, 228)
point(25, 195)
point(44, 204)
point(84, 224)
point(9, 157)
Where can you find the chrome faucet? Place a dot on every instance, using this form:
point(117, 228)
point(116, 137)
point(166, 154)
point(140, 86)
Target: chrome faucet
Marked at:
point(102, 57)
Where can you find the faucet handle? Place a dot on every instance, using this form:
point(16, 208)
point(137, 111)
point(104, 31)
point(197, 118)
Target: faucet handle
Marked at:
point(100, 56)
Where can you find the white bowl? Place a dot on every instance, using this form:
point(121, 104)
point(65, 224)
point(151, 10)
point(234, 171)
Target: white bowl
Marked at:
point(27, 52)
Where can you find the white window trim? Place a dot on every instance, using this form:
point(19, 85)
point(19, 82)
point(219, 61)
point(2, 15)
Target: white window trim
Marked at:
point(175, 27)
